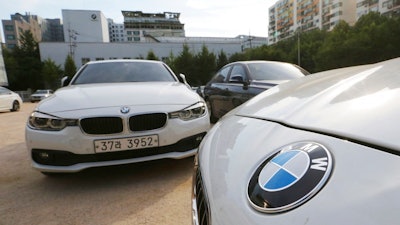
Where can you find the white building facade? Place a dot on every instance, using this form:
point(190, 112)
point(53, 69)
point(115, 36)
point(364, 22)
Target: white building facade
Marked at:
point(116, 31)
point(85, 26)
point(91, 51)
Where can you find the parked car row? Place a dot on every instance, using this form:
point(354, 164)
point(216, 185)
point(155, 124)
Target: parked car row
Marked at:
point(125, 111)
point(287, 149)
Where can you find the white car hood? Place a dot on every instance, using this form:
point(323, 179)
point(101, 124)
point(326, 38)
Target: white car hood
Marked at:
point(79, 97)
point(357, 103)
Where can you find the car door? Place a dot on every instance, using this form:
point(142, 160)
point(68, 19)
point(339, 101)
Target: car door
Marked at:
point(5, 101)
point(237, 86)
point(215, 92)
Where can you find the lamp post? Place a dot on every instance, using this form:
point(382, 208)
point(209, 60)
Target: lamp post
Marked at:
point(298, 46)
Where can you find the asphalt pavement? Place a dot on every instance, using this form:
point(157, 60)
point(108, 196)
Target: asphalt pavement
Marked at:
point(157, 192)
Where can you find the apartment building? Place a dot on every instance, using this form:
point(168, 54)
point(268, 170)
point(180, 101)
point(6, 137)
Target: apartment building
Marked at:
point(17, 25)
point(287, 17)
point(384, 7)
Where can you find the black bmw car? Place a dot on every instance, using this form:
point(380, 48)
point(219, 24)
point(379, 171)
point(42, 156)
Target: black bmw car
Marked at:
point(237, 82)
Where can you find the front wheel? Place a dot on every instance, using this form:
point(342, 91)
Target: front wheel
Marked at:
point(15, 106)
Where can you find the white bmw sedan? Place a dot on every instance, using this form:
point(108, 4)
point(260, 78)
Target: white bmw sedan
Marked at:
point(9, 100)
point(116, 112)
point(323, 149)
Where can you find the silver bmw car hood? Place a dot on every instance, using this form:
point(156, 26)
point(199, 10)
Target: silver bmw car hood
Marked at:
point(357, 103)
point(77, 97)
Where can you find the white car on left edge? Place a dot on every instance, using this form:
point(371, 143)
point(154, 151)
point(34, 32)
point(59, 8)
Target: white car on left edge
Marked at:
point(9, 100)
point(116, 112)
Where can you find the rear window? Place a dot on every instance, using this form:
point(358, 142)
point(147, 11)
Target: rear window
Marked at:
point(116, 72)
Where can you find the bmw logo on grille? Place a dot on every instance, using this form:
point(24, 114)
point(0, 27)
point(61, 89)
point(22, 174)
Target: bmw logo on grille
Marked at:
point(289, 177)
point(125, 109)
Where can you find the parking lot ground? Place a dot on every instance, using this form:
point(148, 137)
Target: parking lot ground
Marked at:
point(156, 192)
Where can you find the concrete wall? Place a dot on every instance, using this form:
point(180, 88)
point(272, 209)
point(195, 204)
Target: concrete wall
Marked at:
point(59, 51)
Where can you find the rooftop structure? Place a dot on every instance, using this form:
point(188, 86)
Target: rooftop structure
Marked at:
point(143, 27)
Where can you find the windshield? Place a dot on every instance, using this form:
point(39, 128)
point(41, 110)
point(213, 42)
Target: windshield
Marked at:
point(116, 72)
point(275, 71)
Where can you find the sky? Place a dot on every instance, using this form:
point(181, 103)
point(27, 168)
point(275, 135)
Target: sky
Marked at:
point(202, 18)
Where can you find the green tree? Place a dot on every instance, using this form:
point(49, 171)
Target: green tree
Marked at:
point(170, 61)
point(310, 43)
point(51, 74)
point(222, 60)
point(152, 56)
point(334, 51)
point(205, 66)
point(239, 56)
point(184, 63)
point(69, 67)
point(23, 64)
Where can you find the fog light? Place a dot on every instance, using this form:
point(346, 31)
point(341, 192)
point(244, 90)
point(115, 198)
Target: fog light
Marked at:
point(44, 155)
point(199, 138)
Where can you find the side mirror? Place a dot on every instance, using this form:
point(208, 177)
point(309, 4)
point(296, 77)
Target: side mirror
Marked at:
point(237, 78)
point(65, 81)
point(183, 78)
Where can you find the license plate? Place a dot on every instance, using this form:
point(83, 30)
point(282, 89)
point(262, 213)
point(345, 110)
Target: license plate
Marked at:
point(121, 144)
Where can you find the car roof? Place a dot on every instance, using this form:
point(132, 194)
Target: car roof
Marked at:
point(124, 60)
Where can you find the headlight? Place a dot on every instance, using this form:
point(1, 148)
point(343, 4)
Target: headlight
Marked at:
point(41, 121)
point(192, 112)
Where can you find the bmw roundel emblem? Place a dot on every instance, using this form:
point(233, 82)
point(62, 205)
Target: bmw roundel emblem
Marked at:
point(289, 177)
point(125, 109)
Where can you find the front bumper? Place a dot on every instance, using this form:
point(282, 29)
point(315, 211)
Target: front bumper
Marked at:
point(71, 150)
point(63, 161)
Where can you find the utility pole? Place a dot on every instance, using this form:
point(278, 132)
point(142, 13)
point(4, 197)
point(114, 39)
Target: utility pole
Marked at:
point(298, 46)
point(72, 34)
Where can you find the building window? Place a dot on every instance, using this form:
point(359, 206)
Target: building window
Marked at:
point(9, 27)
point(136, 39)
point(99, 59)
point(10, 37)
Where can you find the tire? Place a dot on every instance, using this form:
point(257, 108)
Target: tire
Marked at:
point(15, 106)
point(213, 119)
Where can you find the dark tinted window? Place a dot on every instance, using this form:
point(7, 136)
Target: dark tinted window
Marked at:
point(220, 77)
point(274, 71)
point(115, 72)
point(238, 73)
